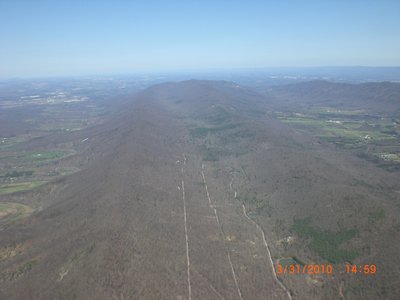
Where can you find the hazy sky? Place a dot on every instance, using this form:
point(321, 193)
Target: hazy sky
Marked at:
point(40, 38)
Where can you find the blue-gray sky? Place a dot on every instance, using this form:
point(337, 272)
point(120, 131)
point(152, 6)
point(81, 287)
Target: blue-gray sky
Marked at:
point(42, 38)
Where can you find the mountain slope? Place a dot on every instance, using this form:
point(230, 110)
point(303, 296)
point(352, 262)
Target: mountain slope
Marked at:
point(159, 211)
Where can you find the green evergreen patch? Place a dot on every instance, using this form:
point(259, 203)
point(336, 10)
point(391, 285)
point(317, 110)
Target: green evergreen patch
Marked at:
point(14, 174)
point(200, 132)
point(326, 243)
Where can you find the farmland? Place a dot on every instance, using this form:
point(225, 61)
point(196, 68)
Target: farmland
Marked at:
point(372, 137)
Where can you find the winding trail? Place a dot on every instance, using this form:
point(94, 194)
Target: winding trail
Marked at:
point(214, 207)
point(341, 289)
point(210, 285)
point(186, 231)
point(269, 253)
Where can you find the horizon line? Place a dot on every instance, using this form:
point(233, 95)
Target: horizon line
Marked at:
point(183, 71)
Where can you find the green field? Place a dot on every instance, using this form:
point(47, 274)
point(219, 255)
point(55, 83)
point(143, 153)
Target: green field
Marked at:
point(18, 187)
point(73, 126)
point(375, 138)
point(10, 143)
point(44, 155)
point(347, 124)
point(10, 212)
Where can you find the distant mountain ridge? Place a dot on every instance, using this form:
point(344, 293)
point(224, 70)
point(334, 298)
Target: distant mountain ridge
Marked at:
point(383, 96)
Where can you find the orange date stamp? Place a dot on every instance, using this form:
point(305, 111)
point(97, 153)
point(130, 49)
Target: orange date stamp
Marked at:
point(328, 269)
point(312, 269)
